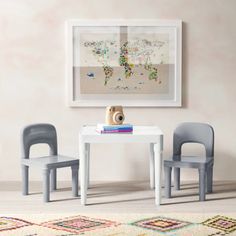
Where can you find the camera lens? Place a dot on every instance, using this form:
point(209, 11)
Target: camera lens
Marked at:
point(120, 118)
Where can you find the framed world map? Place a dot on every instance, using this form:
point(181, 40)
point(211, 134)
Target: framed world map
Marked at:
point(125, 62)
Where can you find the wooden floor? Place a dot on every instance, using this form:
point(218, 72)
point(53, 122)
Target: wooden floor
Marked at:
point(117, 197)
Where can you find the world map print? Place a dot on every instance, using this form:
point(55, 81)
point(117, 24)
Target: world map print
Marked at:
point(124, 62)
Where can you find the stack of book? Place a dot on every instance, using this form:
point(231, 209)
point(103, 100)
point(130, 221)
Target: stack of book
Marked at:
point(110, 129)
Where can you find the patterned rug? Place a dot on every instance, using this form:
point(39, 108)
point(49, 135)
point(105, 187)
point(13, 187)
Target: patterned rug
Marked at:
point(118, 225)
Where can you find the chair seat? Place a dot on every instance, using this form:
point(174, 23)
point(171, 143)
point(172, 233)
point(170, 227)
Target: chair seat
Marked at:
point(57, 161)
point(189, 162)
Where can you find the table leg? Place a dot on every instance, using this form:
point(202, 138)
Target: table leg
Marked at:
point(88, 163)
point(158, 171)
point(83, 172)
point(152, 166)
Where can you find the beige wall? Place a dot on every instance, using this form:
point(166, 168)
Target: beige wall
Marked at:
point(32, 81)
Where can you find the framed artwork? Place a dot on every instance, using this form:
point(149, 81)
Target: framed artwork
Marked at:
point(133, 63)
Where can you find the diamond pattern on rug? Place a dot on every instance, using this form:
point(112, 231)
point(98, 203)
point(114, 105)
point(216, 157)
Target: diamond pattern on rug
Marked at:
point(79, 224)
point(223, 223)
point(161, 224)
point(10, 223)
point(35, 230)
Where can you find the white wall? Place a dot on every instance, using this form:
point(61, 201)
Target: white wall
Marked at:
point(32, 81)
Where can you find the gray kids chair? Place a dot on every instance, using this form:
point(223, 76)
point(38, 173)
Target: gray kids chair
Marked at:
point(45, 133)
point(191, 133)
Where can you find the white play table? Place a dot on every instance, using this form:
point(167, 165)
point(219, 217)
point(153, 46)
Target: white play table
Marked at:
point(141, 134)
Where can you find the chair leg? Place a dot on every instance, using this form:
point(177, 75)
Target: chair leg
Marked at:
point(177, 178)
point(46, 185)
point(53, 180)
point(202, 182)
point(25, 180)
point(168, 181)
point(209, 179)
point(75, 170)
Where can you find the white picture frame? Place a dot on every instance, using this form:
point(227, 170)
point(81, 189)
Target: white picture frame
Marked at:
point(75, 98)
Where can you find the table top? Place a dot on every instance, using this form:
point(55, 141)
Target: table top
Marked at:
point(139, 134)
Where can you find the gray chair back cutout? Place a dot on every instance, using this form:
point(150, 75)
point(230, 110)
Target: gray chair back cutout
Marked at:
point(39, 133)
point(190, 132)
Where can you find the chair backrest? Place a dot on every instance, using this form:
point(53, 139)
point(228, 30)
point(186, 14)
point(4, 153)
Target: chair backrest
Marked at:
point(38, 133)
point(191, 132)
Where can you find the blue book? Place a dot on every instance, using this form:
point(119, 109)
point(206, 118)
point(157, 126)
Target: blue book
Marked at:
point(106, 127)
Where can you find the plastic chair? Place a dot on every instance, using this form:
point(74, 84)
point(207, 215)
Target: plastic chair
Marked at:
point(45, 133)
point(191, 133)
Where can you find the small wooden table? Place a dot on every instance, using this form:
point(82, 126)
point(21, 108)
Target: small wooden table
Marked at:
point(141, 134)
